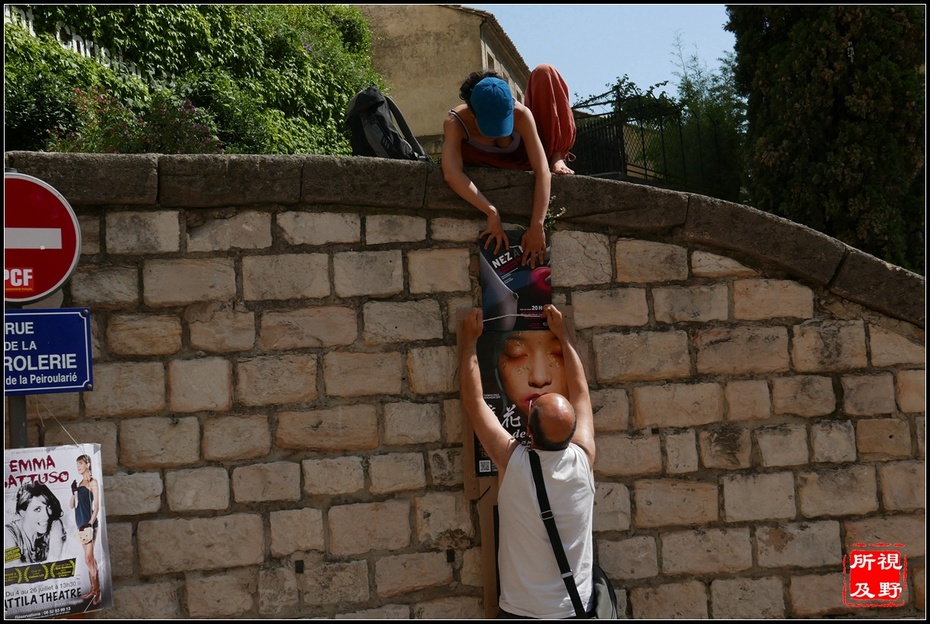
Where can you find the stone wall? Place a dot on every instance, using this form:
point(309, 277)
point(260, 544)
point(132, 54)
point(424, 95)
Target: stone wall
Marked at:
point(275, 392)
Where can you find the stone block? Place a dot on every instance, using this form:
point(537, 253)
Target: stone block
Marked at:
point(819, 346)
point(249, 229)
point(763, 299)
point(642, 261)
point(319, 228)
point(668, 502)
point(231, 438)
point(143, 232)
point(741, 350)
point(677, 405)
point(208, 180)
point(837, 492)
point(168, 283)
point(767, 496)
point(641, 356)
point(691, 304)
point(285, 276)
point(166, 546)
point(155, 442)
point(362, 527)
point(318, 326)
point(708, 551)
point(273, 481)
point(394, 228)
point(341, 428)
point(681, 600)
point(624, 307)
point(799, 544)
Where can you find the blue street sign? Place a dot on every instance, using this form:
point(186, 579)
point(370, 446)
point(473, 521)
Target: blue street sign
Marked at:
point(47, 351)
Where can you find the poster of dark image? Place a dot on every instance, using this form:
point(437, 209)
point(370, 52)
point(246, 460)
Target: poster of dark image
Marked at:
point(513, 294)
point(56, 556)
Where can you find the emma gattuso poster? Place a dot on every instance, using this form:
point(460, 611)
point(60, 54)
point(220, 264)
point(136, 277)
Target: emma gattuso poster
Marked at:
point(512, 300)
point(50, 493)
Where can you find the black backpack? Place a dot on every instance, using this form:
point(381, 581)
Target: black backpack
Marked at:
point(372, 132)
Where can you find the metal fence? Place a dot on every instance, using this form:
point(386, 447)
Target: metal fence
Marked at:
point(649, 141)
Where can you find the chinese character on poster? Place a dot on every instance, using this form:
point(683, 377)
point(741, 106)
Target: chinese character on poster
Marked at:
point(56, 557)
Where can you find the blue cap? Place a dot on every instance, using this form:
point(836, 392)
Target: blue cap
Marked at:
point(493, 105)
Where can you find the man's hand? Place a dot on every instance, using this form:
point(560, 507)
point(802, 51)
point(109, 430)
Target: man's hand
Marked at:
point(555, 320)
point(473, 326)
point(534, 246)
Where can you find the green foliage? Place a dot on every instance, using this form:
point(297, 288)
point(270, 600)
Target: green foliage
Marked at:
point(552, 214)
point(38, 80)
point(713, 124)
point(171, 126)
point(836, 120)
point(165, 39)
point(270, 79)
point(105, 125)
point(164, 125)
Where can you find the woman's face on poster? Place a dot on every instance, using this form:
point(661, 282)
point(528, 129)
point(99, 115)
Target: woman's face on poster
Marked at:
point(36, 515)
point(531, 365)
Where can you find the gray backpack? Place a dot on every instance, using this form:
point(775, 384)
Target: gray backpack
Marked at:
point(372, 130)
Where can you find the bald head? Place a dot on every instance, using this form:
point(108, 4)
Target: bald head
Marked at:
point(552, 422)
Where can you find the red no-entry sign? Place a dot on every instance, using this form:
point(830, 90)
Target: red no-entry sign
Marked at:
point(41, 236)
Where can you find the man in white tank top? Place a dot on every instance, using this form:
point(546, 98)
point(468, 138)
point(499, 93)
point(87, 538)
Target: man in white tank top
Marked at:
point(561, 431)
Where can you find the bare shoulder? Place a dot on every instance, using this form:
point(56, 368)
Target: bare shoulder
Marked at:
point(522, 113)
point(523, 120)
point(453, 124)
point(461, 111)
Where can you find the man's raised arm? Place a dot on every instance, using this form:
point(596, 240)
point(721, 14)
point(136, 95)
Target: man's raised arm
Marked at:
point(577, 383)
point(497, 442)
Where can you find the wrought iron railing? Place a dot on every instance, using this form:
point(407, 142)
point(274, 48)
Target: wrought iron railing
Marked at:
point(651, 141)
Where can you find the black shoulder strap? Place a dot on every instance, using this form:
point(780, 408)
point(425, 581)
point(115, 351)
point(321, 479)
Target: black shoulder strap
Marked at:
point(404, 127)
point(554, 539)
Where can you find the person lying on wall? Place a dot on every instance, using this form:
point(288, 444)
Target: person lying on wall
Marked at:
point(561, 432)
point(491, 129)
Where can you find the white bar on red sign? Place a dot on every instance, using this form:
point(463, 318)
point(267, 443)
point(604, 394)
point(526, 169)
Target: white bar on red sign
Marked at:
point(32, 238)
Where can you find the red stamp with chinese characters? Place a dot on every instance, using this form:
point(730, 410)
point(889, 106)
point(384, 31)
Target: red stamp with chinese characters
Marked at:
point(876, 576)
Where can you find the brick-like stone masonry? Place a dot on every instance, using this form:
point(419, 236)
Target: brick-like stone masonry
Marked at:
point(274, 364)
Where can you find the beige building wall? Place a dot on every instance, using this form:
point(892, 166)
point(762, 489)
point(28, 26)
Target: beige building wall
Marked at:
point(425, 52)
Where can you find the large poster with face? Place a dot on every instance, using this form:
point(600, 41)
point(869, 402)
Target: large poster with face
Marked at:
point(56, 556)
point(520, 359)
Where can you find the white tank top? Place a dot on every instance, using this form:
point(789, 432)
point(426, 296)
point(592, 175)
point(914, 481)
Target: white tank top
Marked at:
point(530, 580)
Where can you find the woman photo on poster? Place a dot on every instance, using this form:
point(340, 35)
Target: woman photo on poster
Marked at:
point(85, 503)
point(520, 366)
point(37, 531)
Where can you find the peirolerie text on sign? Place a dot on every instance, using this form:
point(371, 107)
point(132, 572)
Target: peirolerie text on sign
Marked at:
point(47, 351)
